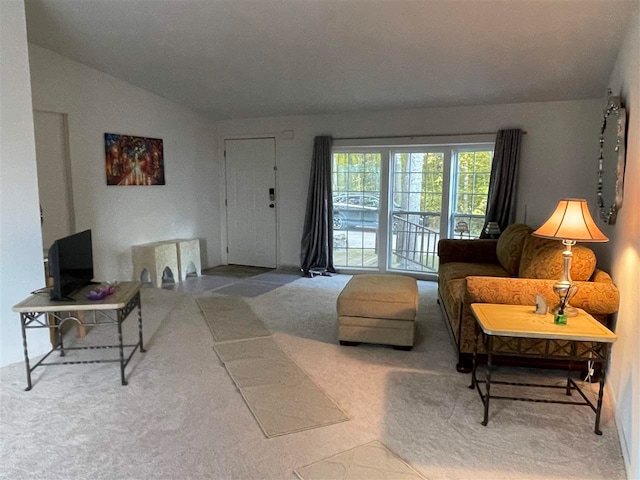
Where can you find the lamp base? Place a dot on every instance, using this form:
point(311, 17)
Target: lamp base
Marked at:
point(569, 311)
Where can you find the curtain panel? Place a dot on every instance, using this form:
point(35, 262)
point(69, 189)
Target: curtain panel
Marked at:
point(501, 204)
point(317, 238)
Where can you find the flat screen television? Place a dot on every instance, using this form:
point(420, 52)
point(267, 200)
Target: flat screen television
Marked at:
point(70, 264)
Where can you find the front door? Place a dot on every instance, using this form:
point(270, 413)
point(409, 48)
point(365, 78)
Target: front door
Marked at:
point(251, 201)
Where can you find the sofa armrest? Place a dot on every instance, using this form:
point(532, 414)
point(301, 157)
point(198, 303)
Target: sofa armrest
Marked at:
point(470, 251)
point(595, 298)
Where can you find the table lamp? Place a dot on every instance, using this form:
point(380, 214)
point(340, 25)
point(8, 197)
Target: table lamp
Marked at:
point(570, 222)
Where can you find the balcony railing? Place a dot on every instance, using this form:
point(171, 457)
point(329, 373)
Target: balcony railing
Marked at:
point(414, 241)
point(416, 236)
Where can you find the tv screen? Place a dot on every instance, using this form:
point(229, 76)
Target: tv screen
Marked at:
point(70, 264)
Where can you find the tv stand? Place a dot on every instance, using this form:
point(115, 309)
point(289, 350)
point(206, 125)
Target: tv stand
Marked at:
point(111, 310)
point(63, 299)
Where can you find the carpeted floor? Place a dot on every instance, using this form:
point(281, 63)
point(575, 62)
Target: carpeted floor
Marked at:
point(181, 415)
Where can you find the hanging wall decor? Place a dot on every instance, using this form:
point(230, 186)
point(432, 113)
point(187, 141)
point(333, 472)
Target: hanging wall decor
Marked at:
point(133, 160)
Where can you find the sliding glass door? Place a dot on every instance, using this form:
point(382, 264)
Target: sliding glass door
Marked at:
point(356, 208)
point(417, 190)
point(391, 205)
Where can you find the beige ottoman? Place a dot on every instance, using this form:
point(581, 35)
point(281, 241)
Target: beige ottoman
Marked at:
point(378, 309)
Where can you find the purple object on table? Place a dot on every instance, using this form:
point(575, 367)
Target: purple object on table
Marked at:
point(101, 292)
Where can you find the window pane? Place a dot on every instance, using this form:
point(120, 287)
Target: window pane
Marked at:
point(356, 208)
point(463, 203)
point(471, 177)
point(465, 183)
point(417, 162)
point(483, 161)
point(432, 203)
point(435, 162)
point(371, 182)
point(481, 183)
point(372, 162)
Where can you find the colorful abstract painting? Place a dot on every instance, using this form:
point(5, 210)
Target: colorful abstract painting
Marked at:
point(133, 160)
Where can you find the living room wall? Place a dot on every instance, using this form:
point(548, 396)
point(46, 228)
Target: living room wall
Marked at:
point(96, 103)
point(559, 151)
point(21, 268)
point(623, 257)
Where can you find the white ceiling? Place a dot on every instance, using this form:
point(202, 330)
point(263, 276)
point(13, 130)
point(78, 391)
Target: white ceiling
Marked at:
point(239, 58)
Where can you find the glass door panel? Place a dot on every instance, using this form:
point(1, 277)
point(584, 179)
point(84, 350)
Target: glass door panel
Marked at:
point(417, 190)
point(356, 208)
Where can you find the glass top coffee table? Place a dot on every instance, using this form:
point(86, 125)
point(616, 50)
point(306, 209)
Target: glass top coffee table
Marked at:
point(583, 338)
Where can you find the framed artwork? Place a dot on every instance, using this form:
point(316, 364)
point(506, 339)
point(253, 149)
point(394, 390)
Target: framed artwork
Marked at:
point(133, 160)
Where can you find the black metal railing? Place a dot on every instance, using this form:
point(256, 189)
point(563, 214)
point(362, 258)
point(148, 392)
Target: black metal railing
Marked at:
point(415, 239)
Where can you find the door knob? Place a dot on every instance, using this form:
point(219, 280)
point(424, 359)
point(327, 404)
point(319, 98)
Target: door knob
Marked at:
point(271, 205)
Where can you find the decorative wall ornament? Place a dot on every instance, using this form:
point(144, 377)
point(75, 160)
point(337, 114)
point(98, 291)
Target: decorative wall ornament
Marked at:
point(611, 163)
point(133, 160)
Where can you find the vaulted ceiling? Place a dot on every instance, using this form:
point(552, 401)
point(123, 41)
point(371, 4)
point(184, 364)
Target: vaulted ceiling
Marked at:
point(239, 58)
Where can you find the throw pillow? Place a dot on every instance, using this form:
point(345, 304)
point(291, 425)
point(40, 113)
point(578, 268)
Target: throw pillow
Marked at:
point(542, 258)
point(510, 245)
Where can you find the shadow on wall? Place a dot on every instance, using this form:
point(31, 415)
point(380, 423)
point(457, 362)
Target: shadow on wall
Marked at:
point(204, 255)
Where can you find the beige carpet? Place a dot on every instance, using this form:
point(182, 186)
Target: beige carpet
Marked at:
point(373, 461)
point(181, 416)
point(279, 394)
point(231, 318)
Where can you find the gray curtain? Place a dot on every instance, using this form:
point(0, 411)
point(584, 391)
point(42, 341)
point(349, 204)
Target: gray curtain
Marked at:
point(317, 237)
point(501, 205)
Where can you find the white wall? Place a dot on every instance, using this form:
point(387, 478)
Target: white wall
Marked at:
point(624, 258)
point(559, 152)
point(21, 267)
point(187, 206)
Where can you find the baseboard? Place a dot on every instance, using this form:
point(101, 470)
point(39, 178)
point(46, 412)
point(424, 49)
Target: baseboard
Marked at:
point(290, 268)
point(624, 445)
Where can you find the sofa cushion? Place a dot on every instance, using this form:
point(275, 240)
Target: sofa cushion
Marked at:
point(542, 258)
point(455, 270)
point(510, 245)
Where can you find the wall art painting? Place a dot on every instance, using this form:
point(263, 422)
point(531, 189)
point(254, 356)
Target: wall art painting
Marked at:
point(133, 160)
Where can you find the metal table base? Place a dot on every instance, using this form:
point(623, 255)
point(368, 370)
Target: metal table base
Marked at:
point(39, 319)
point(553, 349)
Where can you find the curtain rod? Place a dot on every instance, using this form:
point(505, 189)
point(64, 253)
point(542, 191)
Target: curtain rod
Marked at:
point(422, 135)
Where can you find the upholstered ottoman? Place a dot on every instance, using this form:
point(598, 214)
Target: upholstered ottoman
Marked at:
point(378, 309)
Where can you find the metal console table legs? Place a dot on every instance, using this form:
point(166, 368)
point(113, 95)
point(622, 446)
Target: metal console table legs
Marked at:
point(35, 310)
point(503, 327)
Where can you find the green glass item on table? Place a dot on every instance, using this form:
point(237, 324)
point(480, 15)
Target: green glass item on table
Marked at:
point(560, 319)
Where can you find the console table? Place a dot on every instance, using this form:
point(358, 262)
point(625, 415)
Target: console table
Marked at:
point(582, 338)
point(112, 310)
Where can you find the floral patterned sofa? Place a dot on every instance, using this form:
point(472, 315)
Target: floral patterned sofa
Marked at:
point(511, 270)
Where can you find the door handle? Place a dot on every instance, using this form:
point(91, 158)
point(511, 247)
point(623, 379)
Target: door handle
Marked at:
point(272, 194)
point(271, 205)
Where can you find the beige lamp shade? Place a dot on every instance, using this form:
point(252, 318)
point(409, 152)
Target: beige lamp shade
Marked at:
point(571, 220)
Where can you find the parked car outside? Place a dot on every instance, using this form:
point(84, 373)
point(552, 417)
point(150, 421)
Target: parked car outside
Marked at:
point(356, 210)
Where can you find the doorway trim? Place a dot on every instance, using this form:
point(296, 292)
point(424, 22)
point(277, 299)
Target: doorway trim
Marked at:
point(68, 176)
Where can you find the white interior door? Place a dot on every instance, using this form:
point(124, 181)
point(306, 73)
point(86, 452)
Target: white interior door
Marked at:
point(54, 177)
point(251, 201)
